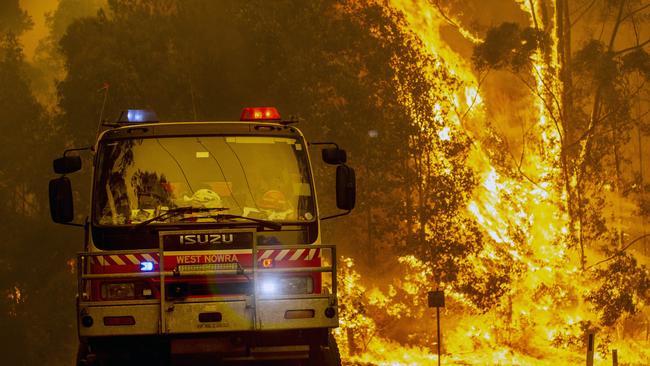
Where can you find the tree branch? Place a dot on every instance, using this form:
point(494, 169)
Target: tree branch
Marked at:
point(636, 31)
point(619, 20)
point(532, 13)
point(620, 252)
point(593, 2)
point(546, 105)
point(461, 118)
point(464, 32)
point(592, 127)
point(595, 112)
point(551, 92)
point(519, 165)
point(640, 45)
point(635, 11)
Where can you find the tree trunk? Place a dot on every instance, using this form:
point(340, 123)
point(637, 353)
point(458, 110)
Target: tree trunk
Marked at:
point(574, 201)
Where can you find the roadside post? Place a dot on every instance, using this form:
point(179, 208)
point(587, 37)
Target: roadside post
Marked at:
point(437, 300)
point(591, 339)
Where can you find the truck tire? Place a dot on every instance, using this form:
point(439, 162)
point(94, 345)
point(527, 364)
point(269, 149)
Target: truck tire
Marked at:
point(124, 354)
point(82, 354)
point(327, 355)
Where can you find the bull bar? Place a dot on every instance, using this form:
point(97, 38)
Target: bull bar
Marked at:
point(249, 312)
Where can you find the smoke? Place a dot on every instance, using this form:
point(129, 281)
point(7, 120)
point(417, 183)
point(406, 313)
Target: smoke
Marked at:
point(37, 10)
point(40, 43)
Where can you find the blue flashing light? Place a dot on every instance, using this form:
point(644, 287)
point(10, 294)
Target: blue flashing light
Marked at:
point(138, 116)
point(135, 115)
point(146, 266)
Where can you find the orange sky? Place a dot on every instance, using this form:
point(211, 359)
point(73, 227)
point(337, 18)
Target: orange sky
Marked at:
point(37, 10)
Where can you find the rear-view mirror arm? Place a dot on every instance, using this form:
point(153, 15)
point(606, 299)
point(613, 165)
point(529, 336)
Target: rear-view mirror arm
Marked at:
point(66, 151)
point(337, 215)
point(324, 143)
point(71, 224)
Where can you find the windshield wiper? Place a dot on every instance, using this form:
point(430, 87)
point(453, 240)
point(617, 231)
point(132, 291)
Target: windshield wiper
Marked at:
point(266, 223)
point(172, 212)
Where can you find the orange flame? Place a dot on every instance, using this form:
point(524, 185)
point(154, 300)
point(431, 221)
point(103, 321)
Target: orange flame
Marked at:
point(525, 217)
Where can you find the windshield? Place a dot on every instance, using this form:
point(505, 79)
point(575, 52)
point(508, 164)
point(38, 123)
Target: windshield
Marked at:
point(254, 176)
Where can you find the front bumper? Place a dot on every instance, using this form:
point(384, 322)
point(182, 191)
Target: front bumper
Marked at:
point(190, 317)
point(177, 317)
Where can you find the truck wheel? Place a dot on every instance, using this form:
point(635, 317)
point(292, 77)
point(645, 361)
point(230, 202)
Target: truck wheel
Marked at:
point(82, 354)
point(130, 356)
point(85, 357)
point(327, 355)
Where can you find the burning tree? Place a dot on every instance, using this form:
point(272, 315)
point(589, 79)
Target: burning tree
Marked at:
point(542, 218)
point(590, 97)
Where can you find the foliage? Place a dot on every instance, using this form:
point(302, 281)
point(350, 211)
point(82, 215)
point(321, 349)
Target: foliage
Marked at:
point(594, 103)
point(637, 60)
point(572, 336)
point(508, 46)
point(13, 19)
point(624, 289)
point(48, 64)
point(353, 310)
point(26, 280)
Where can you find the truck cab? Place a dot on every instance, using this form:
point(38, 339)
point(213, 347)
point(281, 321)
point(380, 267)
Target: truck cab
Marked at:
point(203, 243)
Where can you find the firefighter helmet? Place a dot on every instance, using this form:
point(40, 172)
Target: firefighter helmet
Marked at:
point(274, 200)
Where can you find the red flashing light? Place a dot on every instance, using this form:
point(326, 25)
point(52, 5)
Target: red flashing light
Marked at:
point(260, 114)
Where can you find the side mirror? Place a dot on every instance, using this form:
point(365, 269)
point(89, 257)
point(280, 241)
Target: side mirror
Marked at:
point(67, 164)
point(346, 187)
point(61, 207)
point(334, 156)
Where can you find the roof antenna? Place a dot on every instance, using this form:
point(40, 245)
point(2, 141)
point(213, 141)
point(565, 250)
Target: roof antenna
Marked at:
point(105, 88)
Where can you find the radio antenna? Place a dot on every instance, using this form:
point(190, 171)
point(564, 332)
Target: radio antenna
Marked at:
point(105, 88)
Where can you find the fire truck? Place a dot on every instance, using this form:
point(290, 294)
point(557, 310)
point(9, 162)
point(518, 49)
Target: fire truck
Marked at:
point(203, 243)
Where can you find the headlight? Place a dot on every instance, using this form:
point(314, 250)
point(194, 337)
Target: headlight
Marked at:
point(118, 291)
point(286, 285)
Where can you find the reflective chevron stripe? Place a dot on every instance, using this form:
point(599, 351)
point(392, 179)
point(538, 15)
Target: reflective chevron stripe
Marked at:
point(122, 259)
point(136, 259)
point(290, 254)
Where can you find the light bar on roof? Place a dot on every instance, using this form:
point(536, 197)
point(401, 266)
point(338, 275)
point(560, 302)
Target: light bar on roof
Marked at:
point(260, 114)
point(138, 116)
